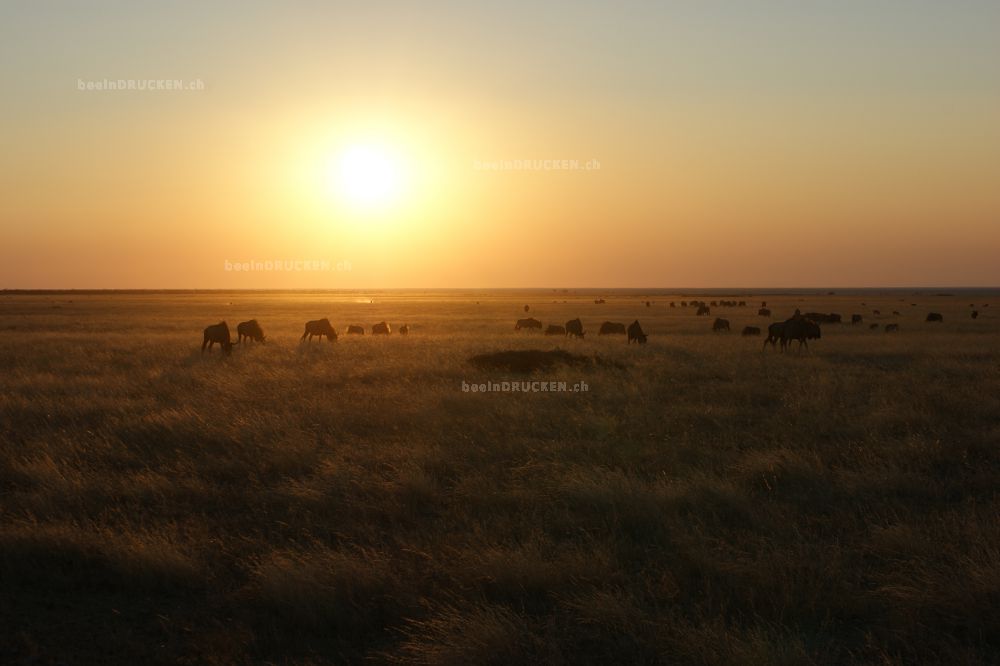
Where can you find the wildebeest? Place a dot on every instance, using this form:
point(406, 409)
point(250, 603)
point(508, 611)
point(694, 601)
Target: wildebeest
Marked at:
point(574, 327)
point(648, 304)
point(381, 328)
point(720, 324)
point(684, 304)
point(531, 322)
point(975, 314)
point(856, 319)
point(250, 330)
point(703, 310)
point(822, 318)
point(714, 304)
point(217, 333)
point(612, 328)
point(526, 308)
point(742, 304)
point(555, 329)
point(672, 304)
point(895, 313)
point(750, 330)
point(354, 329)
point(873, 326)
point(876, 312)
point(801, 329)
point(934, 316)
point(764, 312)
point(763, 304)
point(319, 327)
point(635, 333)
point(797, 328)
point(892, 328)
point(404, 329)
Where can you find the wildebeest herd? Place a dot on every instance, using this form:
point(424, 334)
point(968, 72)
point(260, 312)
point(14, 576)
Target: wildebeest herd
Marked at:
point(800, 327)
point(251, 331)
point(574, 328)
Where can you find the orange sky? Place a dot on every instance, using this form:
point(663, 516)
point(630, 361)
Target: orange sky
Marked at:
point(847, 144)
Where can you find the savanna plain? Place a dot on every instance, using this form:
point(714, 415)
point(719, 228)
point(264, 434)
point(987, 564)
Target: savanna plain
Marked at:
point(704, 501)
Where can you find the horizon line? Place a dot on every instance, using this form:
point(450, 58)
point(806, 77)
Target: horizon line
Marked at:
point(768, 289)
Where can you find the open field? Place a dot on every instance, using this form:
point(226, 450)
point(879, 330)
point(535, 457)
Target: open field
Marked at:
point(702, 502)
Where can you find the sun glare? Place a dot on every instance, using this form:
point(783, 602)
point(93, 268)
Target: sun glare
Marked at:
point(366, 176)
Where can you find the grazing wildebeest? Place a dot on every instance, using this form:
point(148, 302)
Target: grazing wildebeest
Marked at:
point(857, 319)
point(895, 313)
point(250, 330)
point(574, 327)
point(354, 329)
point(381, 328)
point(319, 327)
point(934, 316)
point(763, 304)
point(742, 304)
point(672, 304)
point(531, 322)
point(876, 312)
point(217, 333)
point(612, 328)
point(720, 324)
point(764, 312)
point(404, 329)
point(648, 304)
point(554, 329)
point(714, 304)
point(635, 333)
point(801, 329)
point(892, 328)
point(526, 308)
point(750, 330)
point(703, 310)
point(684, 304)
point(873, 326)
point(975, 314)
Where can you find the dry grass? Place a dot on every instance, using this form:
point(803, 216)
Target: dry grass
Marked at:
point(703, 502)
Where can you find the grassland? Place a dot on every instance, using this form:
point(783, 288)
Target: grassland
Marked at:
point(703, 502)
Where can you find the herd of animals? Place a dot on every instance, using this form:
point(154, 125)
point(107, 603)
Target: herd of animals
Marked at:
point(251, 331)
point(799, 327)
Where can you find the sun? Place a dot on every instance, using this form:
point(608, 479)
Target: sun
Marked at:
point(366, 176)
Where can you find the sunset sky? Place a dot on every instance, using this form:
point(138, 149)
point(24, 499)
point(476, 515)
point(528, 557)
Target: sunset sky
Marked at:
point(739, 144)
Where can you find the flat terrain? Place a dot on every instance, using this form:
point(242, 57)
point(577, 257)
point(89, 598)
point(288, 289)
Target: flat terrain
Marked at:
point(704, 501)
